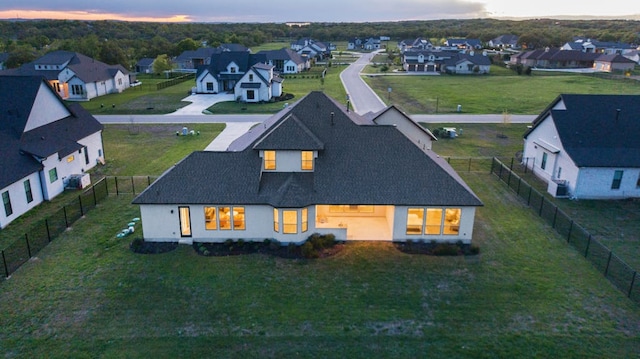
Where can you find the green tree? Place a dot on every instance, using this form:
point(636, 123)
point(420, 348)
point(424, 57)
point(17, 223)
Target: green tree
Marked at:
point(20, 55)
point(187, 44)
point(111, 53)
point(161, 64)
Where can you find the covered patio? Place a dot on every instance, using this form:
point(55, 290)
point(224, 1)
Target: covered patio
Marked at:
point(364, 223)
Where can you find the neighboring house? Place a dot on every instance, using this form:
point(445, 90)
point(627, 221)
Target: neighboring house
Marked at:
point(595, 46)
point(354, 44)
point(145, 65)
point(369, 44)
point(438, 61)
point(314, 167)
point(613, 63)
point(193, 59)
point(507, 41)
point(633, 55)
point(312, 49)
point(4, 56)
point(586, 146)
point(259, 84)
point(286, 61)
point(225, 70)
point(464, 44)
point(415, 44)
point(75, 76)
point(43, 142)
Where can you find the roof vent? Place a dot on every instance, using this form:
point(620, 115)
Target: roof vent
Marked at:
point(332, 116)
point(617, 114)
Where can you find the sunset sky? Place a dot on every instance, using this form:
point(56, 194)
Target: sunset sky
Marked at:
point(312, 11)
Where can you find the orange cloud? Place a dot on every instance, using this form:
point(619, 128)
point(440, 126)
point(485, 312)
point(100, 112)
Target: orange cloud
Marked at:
point(83, 15)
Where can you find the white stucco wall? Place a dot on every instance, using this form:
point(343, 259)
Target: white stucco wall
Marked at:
point(18, 197)
point(595, 183)
point(51, 189)
point(203, 79)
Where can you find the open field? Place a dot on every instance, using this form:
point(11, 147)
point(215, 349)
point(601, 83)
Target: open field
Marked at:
point(527, 295)
point(490, 94)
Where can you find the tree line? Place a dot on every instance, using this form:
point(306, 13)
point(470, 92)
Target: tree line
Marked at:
point(119, 42)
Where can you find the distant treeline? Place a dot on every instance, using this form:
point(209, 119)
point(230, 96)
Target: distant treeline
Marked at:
point(125, 42)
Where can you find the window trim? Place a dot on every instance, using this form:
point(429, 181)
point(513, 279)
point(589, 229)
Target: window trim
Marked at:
point(617, 180)
point(307, 163)
point(6, 201)
point(28, 191)
point(184, 217)
point(53, 175)
point(269, 164)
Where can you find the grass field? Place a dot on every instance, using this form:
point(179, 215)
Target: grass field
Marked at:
point(496, 93)
point(528, 295)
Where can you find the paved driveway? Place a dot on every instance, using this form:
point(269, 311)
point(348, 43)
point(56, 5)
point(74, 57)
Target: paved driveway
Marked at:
point(201, 102)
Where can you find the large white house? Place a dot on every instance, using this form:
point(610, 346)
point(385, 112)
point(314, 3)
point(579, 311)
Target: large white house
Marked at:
point(259, 84)
point(315, 167)
point(75, 76)
point(43, 142)
point(587, 146)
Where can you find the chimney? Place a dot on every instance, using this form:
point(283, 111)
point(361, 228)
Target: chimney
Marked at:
point(617, 114)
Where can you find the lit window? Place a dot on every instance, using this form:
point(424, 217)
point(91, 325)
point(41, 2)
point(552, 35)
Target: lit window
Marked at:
point(238, 218)
point(290, 221)
point(70, 158)
point(6, 200)
point(434, 221)
point(27, 191)
point(210, 218)
point(307, 160)
point(305, 219)
point(269, 160)
point(276, 220)
point(617, 179)
point(225, 217)
point(415, 219)
point(185, 222)
point(53, 175)
point(452, 221)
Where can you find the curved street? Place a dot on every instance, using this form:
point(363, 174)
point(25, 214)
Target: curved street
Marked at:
point(362, 98)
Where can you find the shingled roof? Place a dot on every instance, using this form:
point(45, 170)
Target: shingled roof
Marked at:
point(358, 163)
point(597, 130)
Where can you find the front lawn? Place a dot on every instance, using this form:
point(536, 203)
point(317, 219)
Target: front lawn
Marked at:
point(528, 295)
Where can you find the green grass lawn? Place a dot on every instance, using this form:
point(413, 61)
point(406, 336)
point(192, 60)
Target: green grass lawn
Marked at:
point(528, 295)
point(143, 99)
point(495, 93)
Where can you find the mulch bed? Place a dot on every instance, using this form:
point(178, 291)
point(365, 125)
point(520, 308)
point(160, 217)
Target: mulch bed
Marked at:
point(288, 251)
point(437, 249)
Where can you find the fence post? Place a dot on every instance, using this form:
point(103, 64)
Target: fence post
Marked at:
point(519, 182)
point(570, 229)
point(66, 221)
point(469, 168)
point(509, 179)
point(6, 269)
point(26, 239)
point(117, 192)
point(81, 209)
point(633, 279)
point(46, 224)
point(511, 167)
point(148, 180)
point(500, 174)
point(555, 215)
point(493, 161)
point(133, 186)
point(541, 206)
point(106, 185)
point(606, 270)
point(95, 201)
point(586, 250)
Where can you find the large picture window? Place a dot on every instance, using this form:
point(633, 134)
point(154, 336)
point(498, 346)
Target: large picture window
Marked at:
point(290, 221)
point(452, 221)
point(6, 200)
point(434, 221)
point(351, 208)
point(210, 218)
point(269, 160)
point(617, 179)
point(224, 218)
point(415, 219)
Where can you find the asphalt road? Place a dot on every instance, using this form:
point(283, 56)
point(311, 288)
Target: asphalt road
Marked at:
point(362, 98)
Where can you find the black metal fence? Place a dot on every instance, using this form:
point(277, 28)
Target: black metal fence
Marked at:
point(608, 263)
point(174, 81)
point(43, 232)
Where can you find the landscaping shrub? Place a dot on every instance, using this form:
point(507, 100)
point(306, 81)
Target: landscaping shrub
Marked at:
point(308, 250)
point(446, 249)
